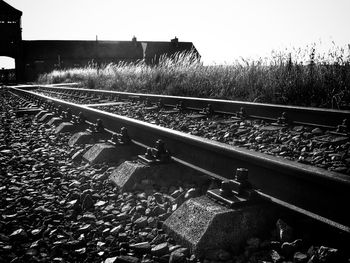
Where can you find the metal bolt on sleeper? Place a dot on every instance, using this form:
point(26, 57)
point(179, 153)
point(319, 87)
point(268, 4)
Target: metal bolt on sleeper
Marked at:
point(283, 120)
point(242, 113)
point(120, 138)
point(344, 127)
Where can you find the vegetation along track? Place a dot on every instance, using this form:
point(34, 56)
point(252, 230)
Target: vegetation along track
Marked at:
point(311, 190)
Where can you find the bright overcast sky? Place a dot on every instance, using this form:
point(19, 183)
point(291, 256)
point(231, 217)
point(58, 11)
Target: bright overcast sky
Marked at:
point(221, 30)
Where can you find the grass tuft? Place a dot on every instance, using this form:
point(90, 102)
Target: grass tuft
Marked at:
point(302, 77)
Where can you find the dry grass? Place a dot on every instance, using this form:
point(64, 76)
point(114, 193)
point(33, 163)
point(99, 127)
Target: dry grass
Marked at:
point(299, 77)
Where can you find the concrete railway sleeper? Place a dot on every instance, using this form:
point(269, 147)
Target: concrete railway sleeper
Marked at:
point(233, 212)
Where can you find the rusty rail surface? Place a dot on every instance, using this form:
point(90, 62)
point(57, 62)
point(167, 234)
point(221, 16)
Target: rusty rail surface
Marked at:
point(299, 115)
point(315, 192)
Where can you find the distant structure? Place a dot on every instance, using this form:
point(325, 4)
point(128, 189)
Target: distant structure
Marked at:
point(38, 56)
point(11, 38)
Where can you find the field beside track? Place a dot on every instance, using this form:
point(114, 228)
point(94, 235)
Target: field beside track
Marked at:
point(303, 77)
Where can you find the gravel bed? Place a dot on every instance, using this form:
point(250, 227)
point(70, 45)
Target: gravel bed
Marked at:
point(74, 99)
point(309, 145)
point(55, 210)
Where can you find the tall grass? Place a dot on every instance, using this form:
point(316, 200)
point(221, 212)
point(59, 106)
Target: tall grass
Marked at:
point(303, 77)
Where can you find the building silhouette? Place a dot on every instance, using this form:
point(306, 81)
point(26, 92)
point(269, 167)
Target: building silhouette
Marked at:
point(33, 57)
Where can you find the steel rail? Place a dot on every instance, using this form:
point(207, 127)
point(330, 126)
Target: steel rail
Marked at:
point(321, 193)
point(299, 115)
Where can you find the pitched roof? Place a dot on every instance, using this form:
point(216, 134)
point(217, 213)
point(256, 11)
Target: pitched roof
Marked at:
point(6, 9)
point(123, 50)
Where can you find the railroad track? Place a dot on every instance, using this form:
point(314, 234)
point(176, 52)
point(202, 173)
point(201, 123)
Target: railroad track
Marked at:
point(317, 117)
point(313, 191)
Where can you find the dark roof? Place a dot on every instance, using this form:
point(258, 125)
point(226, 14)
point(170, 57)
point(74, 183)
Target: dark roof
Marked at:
point(6, 9)
point(116, 49)
point(158, 48)
point(80, 49)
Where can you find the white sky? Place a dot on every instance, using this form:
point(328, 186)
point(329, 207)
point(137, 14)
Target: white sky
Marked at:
point(221, 30)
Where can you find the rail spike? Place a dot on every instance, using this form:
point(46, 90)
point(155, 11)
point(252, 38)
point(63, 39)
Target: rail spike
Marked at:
point(208, 110)
point(180, 106)
point(121, 138)
point(58, 110)
point(149, 154)
point(52, 107)
point(46, 105)
point(67, 115)
point(161, 152)
point(344, 127)
point(235, 193)
point(160, 104)
point(157, 155)
point(97, 127)
point(242, 113)
point(283, 120)
point(80, 119)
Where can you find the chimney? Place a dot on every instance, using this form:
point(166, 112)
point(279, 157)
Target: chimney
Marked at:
point(174, 40)
point(134, 40)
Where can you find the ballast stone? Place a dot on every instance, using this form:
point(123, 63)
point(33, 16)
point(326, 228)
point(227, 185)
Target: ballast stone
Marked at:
point(202, 224)
point(105, 152)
